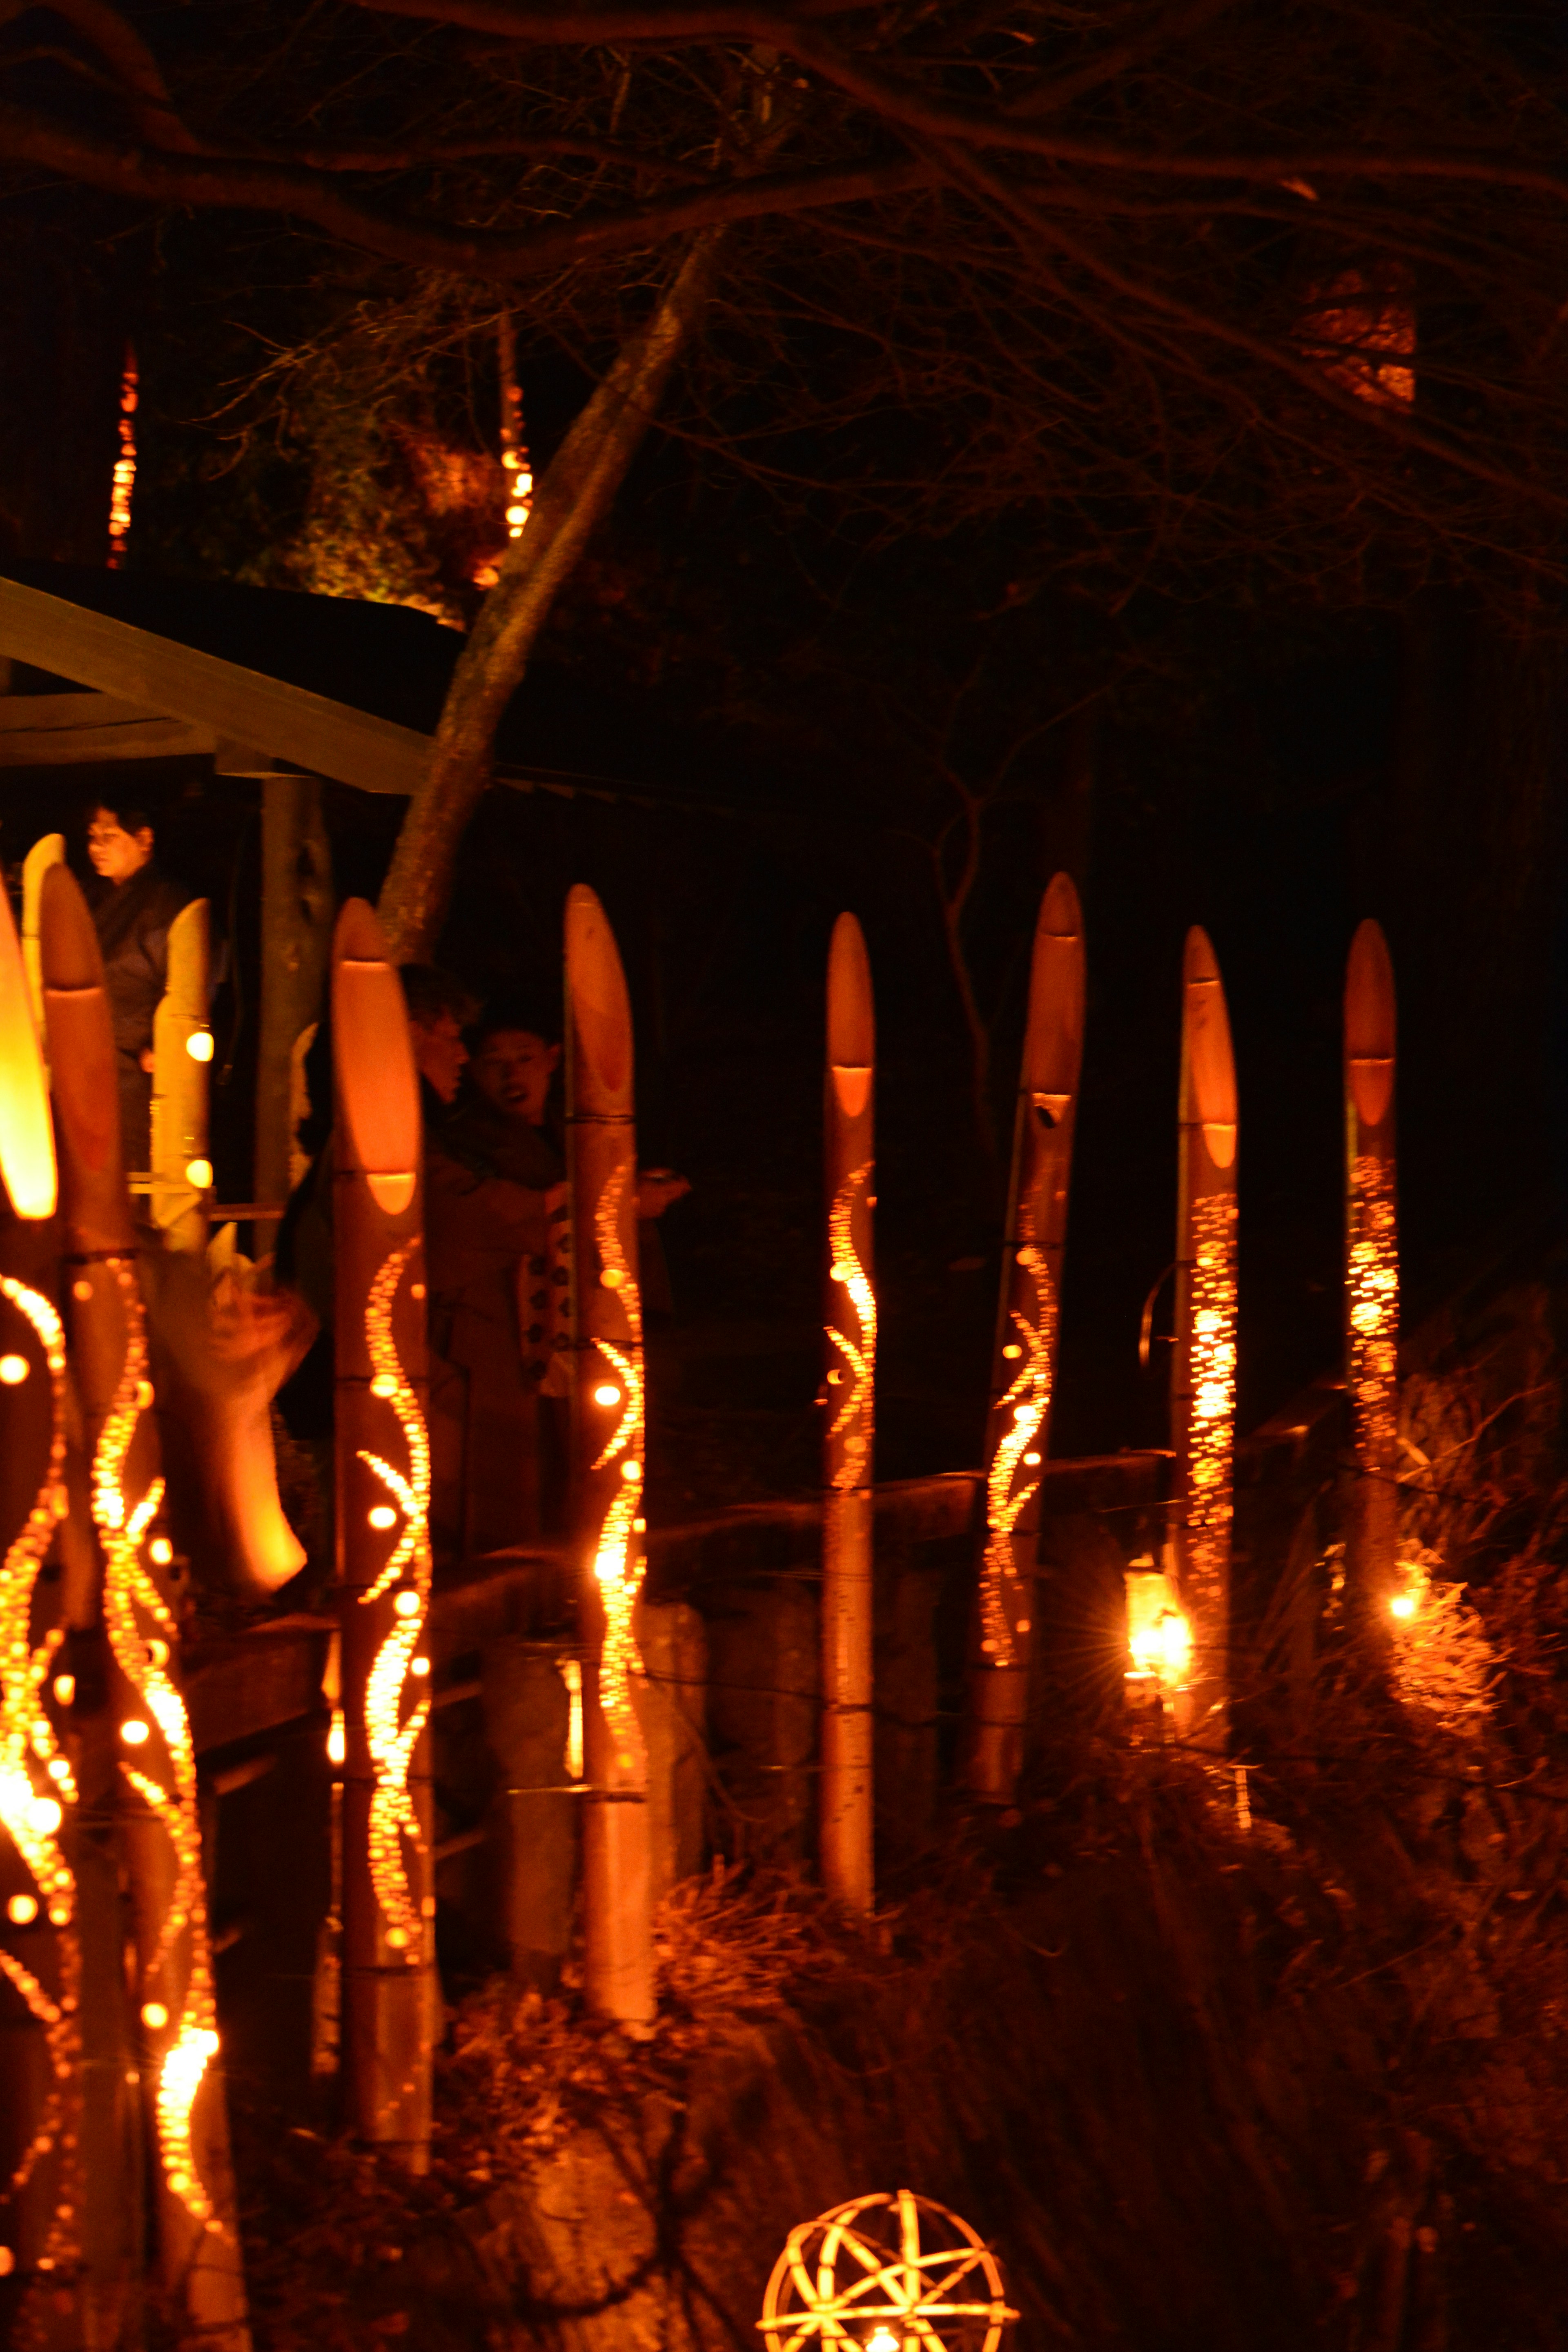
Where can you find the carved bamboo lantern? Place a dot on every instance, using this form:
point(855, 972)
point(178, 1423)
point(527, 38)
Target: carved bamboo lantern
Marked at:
point(609, 1434)
point(383, 1453)
point(850, 1321)
point(1023, 1372)
point(1371, 1279)
point(182, 1053)
point(139, 1754)
point(1203, 1377)
point(41, 2203)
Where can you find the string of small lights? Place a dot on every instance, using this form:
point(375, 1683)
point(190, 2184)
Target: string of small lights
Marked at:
point(618, 1564)
point(180, 2020)
point(853, 1419)
point(1373, 1312)
point(124, 479)
point(1024, 1408)
point(33, 1814)
point(391, 1739)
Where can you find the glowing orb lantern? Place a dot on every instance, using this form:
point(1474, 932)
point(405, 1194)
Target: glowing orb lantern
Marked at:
point(1372, 1285)
point(390, 1999)
point(850, 1393)
point(888, 2273)
point(1203, 1374)
point(610, 1424)
point(1024, 1362)
point(1159, 1638)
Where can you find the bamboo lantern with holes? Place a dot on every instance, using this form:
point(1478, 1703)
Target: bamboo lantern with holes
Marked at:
point(181, 1052)
point(609, 1434)
point(1024, 1364)
point(389, 1986)
point(41, 2189)
point(1372, 1280)
point(1203, 1373)
point(850, 1319)
point(137, 1754)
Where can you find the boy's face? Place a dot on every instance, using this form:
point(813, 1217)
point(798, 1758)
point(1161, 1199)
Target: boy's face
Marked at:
point(512, 1070)
point(439, 1052)
point(116, 853)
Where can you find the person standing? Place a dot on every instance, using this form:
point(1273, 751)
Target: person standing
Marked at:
point(132, 913)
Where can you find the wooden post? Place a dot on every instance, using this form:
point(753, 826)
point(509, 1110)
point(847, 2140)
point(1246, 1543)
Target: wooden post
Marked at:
point(296, 936)
point(145, 1727)
point(389, 1984)
point(1023, 1373)
point(1371, 1282)
point(850, 1323)
point(1203, 1373)
point(40, 1941)
point(610, 1432)
point(182, 1055)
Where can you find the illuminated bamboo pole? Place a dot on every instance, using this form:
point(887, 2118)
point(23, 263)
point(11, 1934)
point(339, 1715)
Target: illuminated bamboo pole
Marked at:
point(146, 1724)
point(41, 2186)
point(389, 1984)
point(1372, 1280)
point(1203, 1375)
point(182, 1053)
point(49, 850)
point(609, 1433)
point(1023, 1375)
point(850, 1325)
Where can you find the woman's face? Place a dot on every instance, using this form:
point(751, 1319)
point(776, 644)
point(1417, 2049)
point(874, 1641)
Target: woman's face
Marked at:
point(116, 853)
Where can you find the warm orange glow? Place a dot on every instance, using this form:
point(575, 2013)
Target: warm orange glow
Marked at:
point(337, 1738)
point(27, 1129)
point(133, 1604)
point(160, 1551)
point(390, 1736)
point(31, 1818)
point(199, 1044)
point(853, 1421)
point(1363, 336)
point(1026, 1401)
point(1373, 1304)
point(572, 1675)
point(133, 1733)
point(124, 481)
point(1159, 1638)
point(1212, 1366)
point(617, 1564)
point(888, 2271)
point(13, 1370)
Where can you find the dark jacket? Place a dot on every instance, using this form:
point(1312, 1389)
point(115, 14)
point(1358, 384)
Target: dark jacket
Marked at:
point(133, 921)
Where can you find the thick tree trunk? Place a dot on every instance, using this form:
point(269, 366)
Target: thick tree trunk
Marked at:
point(570, 498)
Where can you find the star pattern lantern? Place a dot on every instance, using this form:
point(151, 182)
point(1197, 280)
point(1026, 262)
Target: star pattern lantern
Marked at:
point(889, 2274)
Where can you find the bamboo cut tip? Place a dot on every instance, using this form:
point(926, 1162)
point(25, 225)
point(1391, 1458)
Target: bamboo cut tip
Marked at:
point(1208, 1062)
point(598, 1007)
point(1199, 962)
point(851, 1013)
point(1053, 1044)
point(1371, 1024)
point(27, 1131)
point(1061, 917)
point(378, 1089)
point(69, 954)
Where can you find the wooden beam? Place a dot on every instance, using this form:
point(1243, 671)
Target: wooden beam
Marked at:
point(157, 675)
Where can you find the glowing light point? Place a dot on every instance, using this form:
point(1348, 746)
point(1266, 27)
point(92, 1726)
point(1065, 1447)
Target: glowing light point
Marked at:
point(606, 1394)
point(14, 1371)
point(418, 1666)
point(81, 1290)
point(406, 1604)
point(612, 1277)
point(133, 1731)
point(382, 1515)
point(337, 1738)
point(155, 2017)
point(385, 1384)
point(22, 1910)
point(65, 1690)
point(160, 1551)
point(199, 1172)
point(199, 1044)
point(46, 1815)
point(1403, 1605)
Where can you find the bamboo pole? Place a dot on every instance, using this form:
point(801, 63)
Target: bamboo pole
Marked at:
point(1202, 1376)
point(850, 1327)
point(609, 1433)
point(41, 2197)
point(1372, 1281)
point(48, 850)
point(1024, 1361)
point(182, 1053)
point(296, 938)
point(389, 1984)
point(145, 1730)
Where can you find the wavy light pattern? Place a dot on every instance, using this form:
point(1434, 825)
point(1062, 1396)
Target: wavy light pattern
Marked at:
point(36, 1784)
point(617, 1565)
point(141, 1633)
point(392, 1740)
point(853, 1419)
point(1374, 1282)
point(1026, 1402)
point(1211, 1435)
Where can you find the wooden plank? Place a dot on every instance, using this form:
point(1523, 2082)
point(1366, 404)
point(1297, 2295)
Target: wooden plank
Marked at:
point(156, 674)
